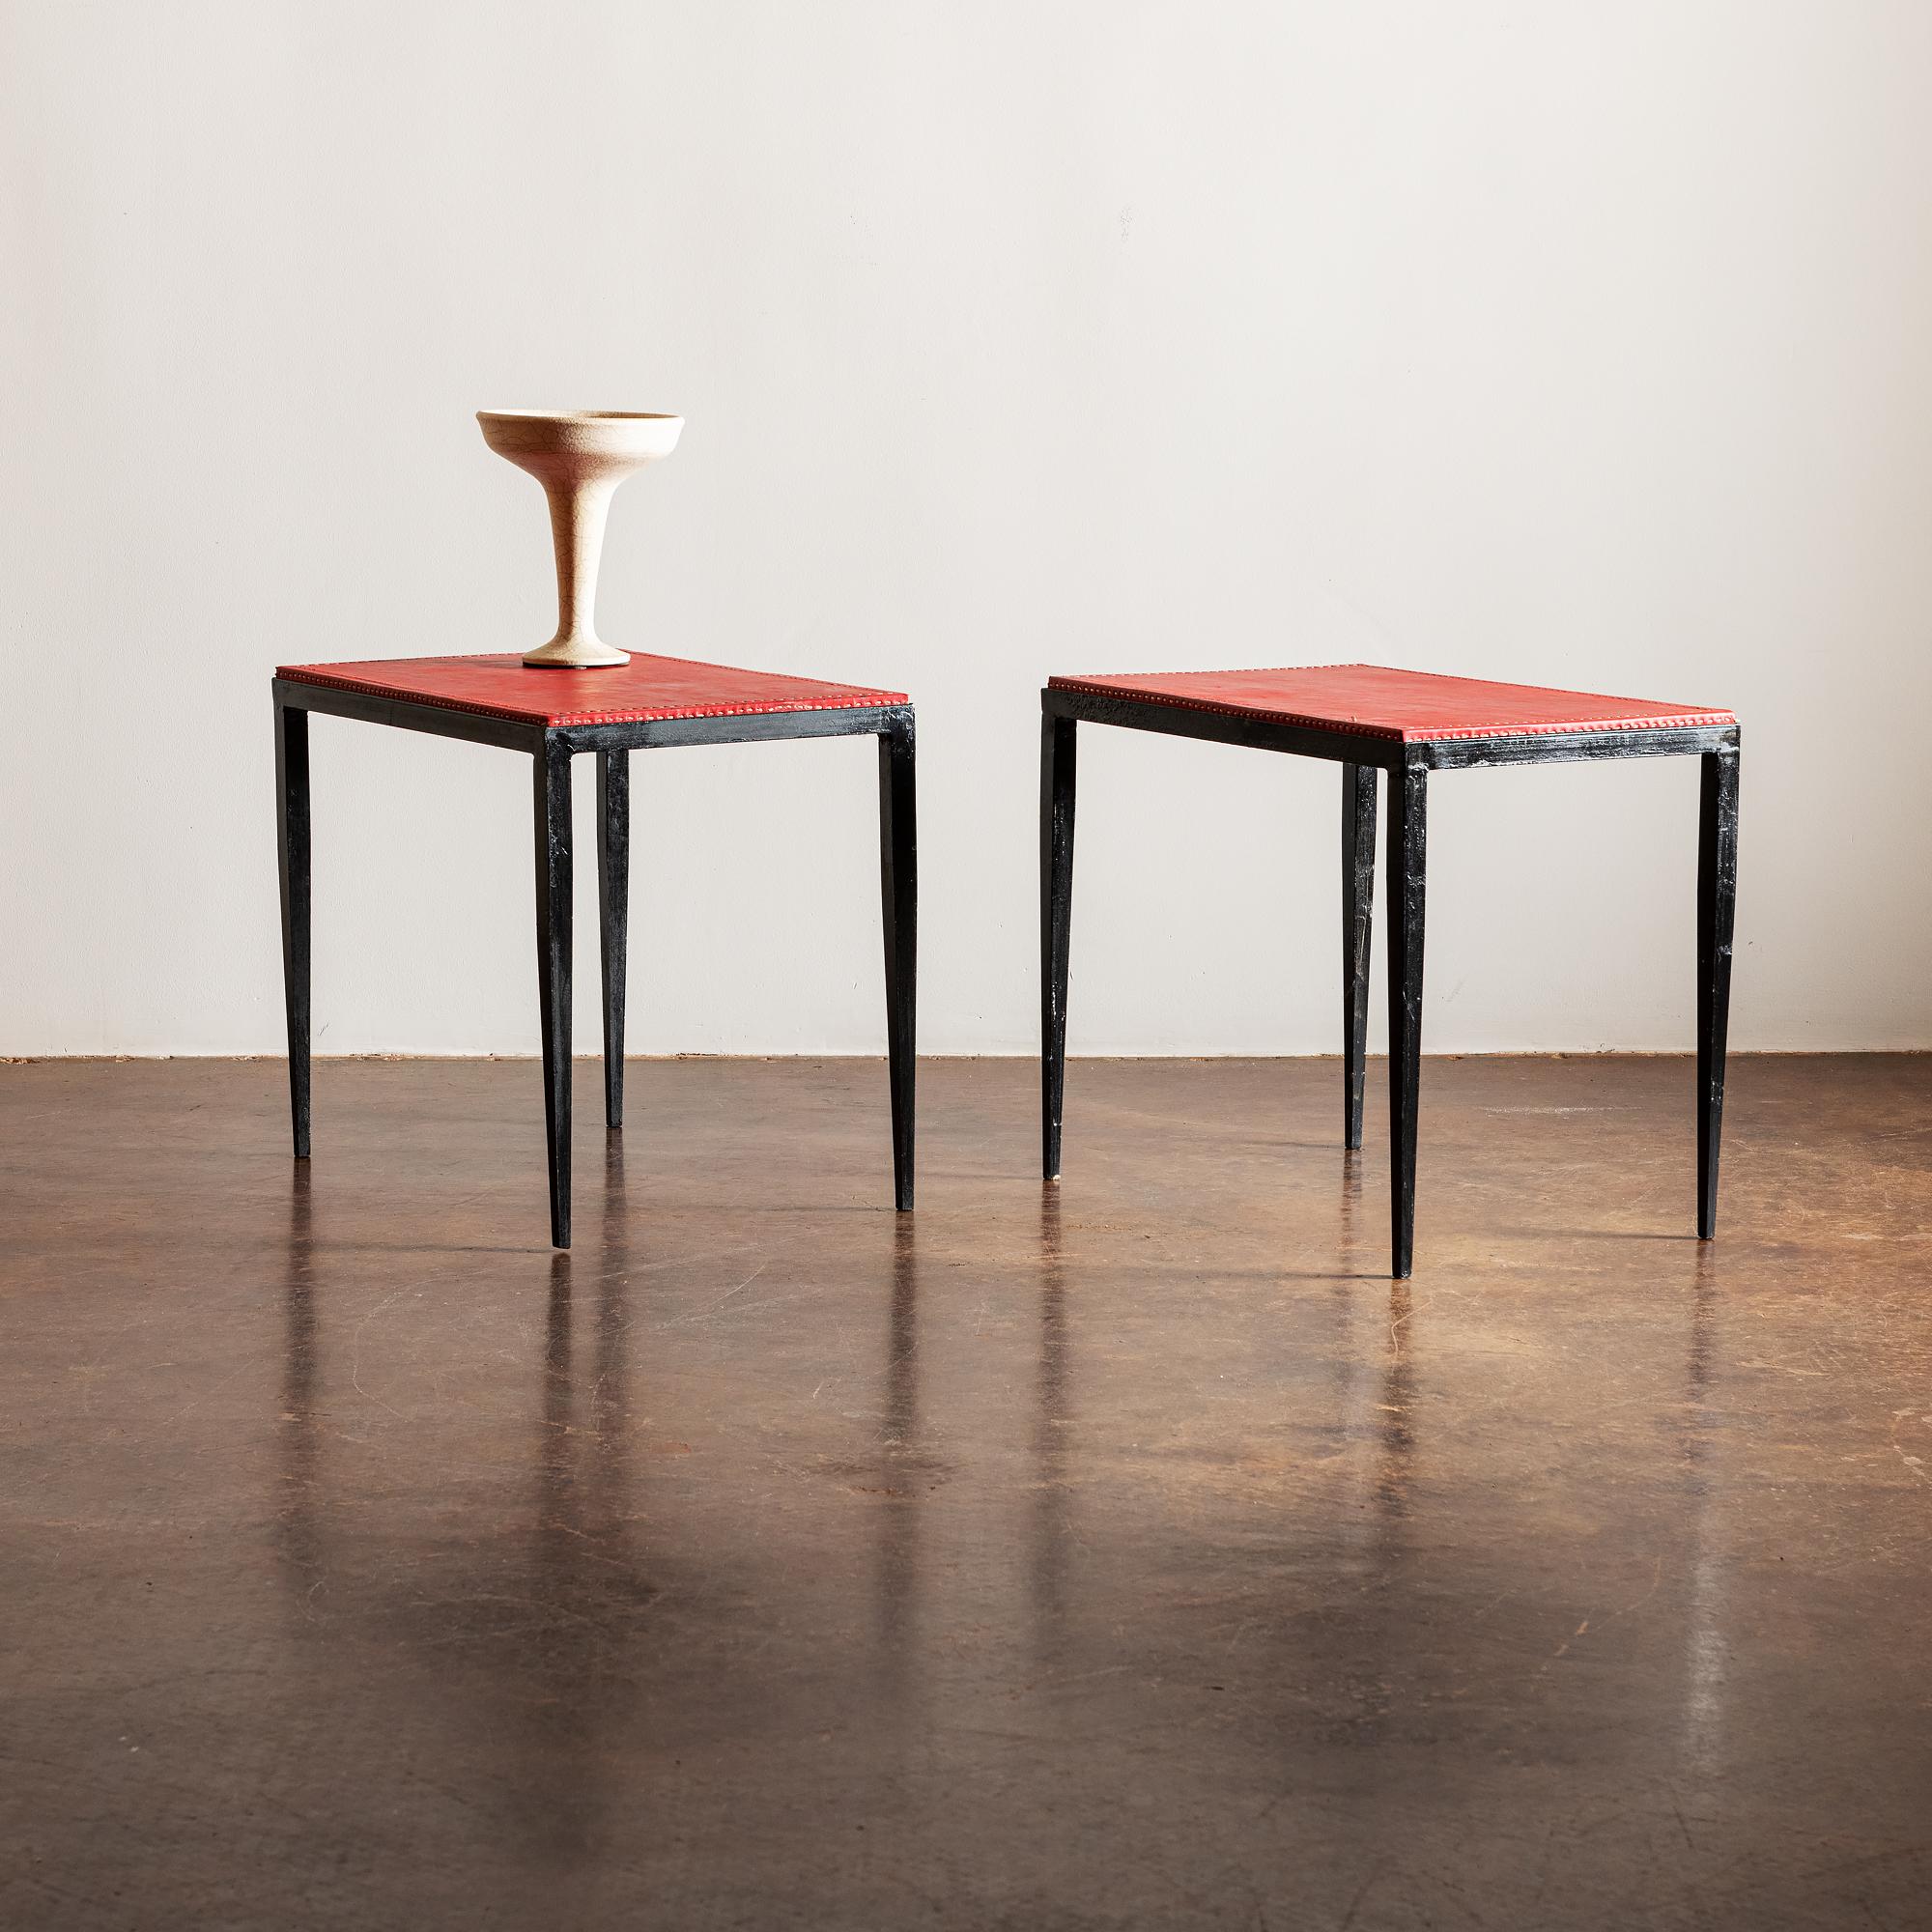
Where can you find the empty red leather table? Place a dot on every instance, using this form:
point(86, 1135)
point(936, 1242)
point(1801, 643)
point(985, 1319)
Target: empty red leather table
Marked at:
point(1407, 724)
point(647, 705)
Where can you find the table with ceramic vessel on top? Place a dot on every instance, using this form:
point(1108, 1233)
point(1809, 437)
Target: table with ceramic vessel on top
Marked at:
point(575, 694)
point(1406, 725)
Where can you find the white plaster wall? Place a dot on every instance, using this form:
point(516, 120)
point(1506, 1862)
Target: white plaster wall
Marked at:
point(1561, 342)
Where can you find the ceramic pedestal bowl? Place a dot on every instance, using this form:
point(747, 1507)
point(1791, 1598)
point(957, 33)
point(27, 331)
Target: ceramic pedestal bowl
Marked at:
point(580, 457)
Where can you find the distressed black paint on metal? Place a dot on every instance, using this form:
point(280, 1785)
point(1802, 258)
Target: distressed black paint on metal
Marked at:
point(1260, 734)
point(438, 721)
point(1554, 748)
point(754, 727)
point(1406, 858)
point(899, 885)
point(1358, 898)
point(293, 842)
point(441, 720)
point(1516, 748)
point(1717, 904)
point(613, 911)
point(1057, 773)
point(551, 773)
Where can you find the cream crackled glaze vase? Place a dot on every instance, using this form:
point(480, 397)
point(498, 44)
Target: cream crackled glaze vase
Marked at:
point(580, 457)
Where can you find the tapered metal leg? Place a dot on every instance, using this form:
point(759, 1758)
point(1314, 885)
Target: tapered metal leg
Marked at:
point(614, 910)
point(1716, 902)
point(1358, 898)
point(1056, 925)
point(899, 885)
point(1409, 799)
point(553, 960)
point(292, 824)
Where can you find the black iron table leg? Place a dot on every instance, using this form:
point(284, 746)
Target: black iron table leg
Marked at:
point(1358, 898)
point(551, 773)
point(1716, 902)
point(614, 910)
point(1409, 799)
point(292, 823)
point(898, 884)
point(1057, 772)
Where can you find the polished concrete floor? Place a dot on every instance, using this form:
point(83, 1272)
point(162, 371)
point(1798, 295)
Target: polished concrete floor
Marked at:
point(1128, 1553)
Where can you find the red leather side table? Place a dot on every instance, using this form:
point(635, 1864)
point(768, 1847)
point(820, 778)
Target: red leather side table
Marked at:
point(1407, 724)
point(651, 704)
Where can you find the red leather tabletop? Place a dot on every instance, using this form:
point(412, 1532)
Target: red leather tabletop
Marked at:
point(638, 692)
point(1411, 706)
